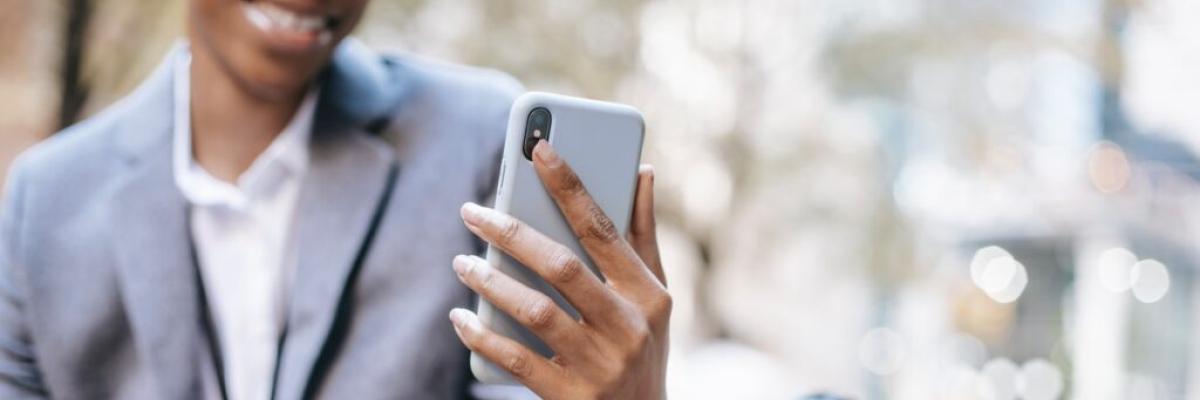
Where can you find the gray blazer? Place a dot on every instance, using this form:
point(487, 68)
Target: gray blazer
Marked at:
point(99, 292)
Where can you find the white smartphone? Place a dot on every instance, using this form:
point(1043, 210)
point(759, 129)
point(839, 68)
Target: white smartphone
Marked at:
point(602, 142)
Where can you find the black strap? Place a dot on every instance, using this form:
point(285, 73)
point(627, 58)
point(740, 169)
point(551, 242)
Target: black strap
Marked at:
point(206, 323)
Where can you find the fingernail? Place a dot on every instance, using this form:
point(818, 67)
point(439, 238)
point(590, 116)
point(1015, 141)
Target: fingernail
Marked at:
point(462, 265)
point(543, 151)
point(647, 169)
point(478, 215)
point(467, 265)
point(464, 320)
point(455, 321)
point(472, 213)
point(477, 265)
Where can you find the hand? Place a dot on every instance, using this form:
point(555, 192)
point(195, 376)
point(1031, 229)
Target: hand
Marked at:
point(618, 349)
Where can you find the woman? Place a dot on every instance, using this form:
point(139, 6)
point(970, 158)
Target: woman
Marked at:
point(270, 216)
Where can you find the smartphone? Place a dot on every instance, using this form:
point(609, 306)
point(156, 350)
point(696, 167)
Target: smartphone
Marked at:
point(602, 142)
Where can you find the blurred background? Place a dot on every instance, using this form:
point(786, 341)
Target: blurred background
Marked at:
point(908, 199)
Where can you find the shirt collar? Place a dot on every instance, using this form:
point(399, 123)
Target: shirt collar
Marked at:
point(285, 158)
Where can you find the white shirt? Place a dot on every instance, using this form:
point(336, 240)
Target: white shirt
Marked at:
point(243, 241)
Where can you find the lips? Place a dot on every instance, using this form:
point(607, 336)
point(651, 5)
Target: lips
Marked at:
point(290, 29)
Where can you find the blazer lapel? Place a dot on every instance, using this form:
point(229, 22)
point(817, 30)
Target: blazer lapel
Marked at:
point(158, 279)
point(160, 286)
point(342, 200)
point(344, 195)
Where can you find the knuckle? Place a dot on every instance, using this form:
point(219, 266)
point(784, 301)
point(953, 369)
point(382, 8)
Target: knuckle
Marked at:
point(584, 390)
point(509, 229)
point(565, 267)
point(470, 339)
point(569, 184)
point(640, 338)
point(610, 378)
point(600, 227)
point(485, 279)
point(637, 336)
point(539, 313)
point(518, 365)
point(607, 374)
point(631, 355)
point(607, 389)
point(660, 306)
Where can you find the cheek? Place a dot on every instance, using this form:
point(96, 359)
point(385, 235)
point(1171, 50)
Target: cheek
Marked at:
point(216, 28)
point(215, 22)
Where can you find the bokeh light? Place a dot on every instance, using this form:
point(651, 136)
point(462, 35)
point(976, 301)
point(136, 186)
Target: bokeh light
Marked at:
point(980, 261)
point(1040, 380)
point(1150, 281)
point(961, 382)
point(998, 380)
point(1145, 387)
point(1108, 168)
point(998, 274)
point(882, 351)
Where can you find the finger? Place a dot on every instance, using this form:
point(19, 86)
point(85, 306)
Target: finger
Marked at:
point(643, 232)
point(529, 307)
point(531, 369)
point(552, 261)
point(595, 230)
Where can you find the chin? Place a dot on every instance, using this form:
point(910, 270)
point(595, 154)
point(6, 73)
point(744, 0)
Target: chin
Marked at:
point(272, 79)
point(273, 48)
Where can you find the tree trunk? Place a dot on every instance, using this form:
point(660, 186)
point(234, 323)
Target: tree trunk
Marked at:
point(74, 89)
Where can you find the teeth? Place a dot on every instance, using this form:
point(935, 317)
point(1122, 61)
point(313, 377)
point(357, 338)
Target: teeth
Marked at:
point(256, 16)
point(267, 16)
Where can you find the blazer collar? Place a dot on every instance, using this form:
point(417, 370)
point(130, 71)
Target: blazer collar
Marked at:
point(360, 91)
point(343, 197)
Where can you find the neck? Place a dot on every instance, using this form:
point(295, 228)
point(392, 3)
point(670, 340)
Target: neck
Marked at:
point(230, 125)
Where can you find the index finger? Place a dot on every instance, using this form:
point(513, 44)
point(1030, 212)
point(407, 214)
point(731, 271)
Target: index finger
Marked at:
point(595, 230)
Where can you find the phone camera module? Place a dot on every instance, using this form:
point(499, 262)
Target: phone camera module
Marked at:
point(537, 127)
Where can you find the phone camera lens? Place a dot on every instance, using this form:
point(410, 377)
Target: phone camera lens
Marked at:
point(537, 127)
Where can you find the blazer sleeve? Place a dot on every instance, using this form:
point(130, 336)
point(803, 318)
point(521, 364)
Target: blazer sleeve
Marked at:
point(19, 376)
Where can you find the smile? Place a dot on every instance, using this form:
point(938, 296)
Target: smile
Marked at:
point(299, 29)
